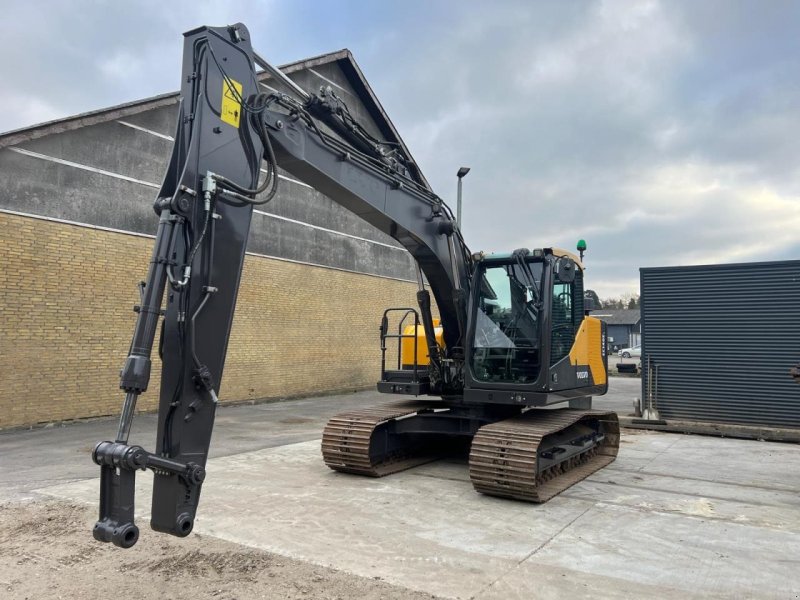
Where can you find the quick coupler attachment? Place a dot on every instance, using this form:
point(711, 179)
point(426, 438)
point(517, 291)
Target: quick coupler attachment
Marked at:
point(118, 465)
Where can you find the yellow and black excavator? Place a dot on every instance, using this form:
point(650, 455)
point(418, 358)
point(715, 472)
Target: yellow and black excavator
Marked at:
point(512, 343)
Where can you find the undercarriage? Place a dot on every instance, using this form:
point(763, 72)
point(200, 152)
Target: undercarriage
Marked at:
point(529, 455)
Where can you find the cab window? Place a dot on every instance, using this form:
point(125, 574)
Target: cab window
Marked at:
point(563, 321)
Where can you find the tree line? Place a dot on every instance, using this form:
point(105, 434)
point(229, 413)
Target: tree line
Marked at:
point(628, 300)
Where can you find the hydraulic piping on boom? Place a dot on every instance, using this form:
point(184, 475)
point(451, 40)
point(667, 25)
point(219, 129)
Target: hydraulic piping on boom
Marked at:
point(512, 334)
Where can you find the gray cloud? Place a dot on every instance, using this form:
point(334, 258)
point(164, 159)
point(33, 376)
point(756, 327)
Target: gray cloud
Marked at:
point(662, 132)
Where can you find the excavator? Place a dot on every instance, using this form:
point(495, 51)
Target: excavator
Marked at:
point(510, 364)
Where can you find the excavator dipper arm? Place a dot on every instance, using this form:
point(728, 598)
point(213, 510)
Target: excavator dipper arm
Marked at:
point(197, 260)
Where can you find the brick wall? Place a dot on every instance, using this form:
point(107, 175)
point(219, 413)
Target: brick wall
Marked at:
point(66, 294)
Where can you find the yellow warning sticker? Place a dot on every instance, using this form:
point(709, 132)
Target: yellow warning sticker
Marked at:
point(231, 108)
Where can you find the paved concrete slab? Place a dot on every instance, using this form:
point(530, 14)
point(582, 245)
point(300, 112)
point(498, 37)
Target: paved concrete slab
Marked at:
point(547, 582)
point(653, 524)
point(695, 555)
point(674, 517)
point(39, 457)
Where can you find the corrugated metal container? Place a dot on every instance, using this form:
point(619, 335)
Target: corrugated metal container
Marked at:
point(723, 338)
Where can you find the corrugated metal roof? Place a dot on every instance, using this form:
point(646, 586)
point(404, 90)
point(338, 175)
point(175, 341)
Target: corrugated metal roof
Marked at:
point(111, 113)
point(724, 338)
point(346, 61)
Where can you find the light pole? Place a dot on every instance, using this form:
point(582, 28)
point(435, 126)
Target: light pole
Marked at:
point(461, 172)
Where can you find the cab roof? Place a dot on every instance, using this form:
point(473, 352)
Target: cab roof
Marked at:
point(538, 252)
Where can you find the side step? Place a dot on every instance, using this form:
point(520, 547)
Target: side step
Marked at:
point(540, 453)
point(406, 381)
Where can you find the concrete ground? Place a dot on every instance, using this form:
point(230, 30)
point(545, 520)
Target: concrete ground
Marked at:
point(674, 517)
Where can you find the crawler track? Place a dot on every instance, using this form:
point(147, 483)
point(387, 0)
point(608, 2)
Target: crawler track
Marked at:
point(357, 441)
point(512, 458)
point(505, 456)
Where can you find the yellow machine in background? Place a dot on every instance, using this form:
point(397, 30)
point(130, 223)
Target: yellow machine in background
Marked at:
point(407, 346)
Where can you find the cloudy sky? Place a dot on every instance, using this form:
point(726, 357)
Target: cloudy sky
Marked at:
point(664, 133)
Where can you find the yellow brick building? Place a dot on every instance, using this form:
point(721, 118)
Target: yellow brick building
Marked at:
point(76, 229)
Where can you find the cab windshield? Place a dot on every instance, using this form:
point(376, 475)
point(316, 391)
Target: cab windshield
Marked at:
point(506, 344)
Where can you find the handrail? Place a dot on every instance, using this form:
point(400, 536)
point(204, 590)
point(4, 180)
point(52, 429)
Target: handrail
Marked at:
point(384, 329)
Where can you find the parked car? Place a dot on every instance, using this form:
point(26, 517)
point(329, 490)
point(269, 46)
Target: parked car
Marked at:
point(632, 351)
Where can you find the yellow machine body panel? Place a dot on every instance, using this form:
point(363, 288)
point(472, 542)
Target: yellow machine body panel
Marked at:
point(588, 349)
point(407, 346)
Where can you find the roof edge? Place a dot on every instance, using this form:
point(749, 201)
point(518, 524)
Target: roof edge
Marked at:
point(102, 115)
point(92, 117)
point(721, 266)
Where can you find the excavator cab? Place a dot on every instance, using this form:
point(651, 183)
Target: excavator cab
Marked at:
point(530, 341)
